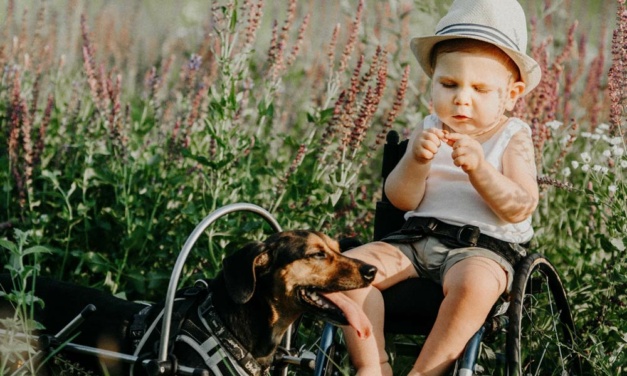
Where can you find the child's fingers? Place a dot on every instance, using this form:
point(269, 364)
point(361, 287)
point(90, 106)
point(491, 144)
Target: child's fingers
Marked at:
point(452, 138)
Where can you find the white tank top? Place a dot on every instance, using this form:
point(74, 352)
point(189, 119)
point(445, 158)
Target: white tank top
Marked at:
point(451, 198)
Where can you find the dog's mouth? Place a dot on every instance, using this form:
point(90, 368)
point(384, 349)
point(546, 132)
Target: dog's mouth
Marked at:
point(338, 309)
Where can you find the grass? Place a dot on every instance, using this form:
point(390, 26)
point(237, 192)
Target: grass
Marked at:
point(124, 125)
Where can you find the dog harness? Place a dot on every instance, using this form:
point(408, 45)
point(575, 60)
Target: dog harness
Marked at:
point(197, 330)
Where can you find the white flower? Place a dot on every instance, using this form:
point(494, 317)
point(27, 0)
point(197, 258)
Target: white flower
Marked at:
point(597, 168)
point(602, 127)
point(566, 172)
point(585, 168)
point(616, 140)
point(607, 153)
point(623, 163)
point(585, 157)
point(566, 139)
point(595, 137)
point(586, 134)
point(612, 188)
point(554, 124)
point(575, 164)
point(618, 151)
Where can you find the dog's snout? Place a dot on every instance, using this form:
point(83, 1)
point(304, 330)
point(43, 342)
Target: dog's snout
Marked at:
point(368, 272)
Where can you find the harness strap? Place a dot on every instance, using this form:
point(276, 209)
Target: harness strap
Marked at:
point(212, 322)
point(137, 328)
point(457, 236)
point(205, 335)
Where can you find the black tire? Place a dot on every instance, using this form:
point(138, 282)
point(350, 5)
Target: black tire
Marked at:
point(541, 331)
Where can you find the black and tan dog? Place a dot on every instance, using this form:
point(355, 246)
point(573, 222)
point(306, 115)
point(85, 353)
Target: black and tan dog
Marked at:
point(261, 290)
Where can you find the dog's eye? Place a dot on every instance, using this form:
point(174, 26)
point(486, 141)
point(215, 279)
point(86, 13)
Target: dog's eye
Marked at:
point(321, 255)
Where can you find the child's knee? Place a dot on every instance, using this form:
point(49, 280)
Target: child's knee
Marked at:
point(476, 277)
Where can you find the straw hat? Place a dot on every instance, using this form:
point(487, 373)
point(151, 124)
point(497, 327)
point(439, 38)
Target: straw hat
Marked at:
point(499, 22)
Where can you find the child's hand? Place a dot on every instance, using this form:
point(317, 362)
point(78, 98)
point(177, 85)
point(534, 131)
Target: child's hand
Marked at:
point(427, 144)
point(467, 152)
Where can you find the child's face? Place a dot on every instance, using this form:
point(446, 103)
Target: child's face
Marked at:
point(471, 91)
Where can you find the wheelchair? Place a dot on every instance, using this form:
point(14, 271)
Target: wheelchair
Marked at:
point(532, 333)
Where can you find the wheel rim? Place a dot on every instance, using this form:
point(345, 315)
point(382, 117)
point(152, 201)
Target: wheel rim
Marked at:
point(541, 330)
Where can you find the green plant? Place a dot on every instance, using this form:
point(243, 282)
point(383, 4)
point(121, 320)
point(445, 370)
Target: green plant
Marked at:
point(15, 342)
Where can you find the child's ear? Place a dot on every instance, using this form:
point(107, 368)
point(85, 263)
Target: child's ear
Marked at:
point(516, 90)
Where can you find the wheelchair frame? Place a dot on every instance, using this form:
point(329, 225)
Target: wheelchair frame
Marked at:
point(510, 319)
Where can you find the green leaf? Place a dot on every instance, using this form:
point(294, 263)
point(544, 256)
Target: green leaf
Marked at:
point(37, 249)
point(8, 245)
point(204, 161)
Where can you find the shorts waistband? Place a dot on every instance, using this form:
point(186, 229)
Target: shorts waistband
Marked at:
point(458, 236)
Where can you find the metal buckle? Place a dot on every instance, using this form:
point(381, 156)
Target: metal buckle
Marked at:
point(473, 235)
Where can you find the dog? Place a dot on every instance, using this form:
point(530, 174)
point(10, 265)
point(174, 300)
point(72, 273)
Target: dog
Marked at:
point(260, 291)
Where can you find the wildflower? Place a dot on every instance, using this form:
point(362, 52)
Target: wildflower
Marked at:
point(595, 137)
point(332, 44)
point(567, 140)
point(547, 180)
point(616, 140)
point(554, 124)
point(585, 157)
point(623, 163)
point(618, 151)
point(194, 62)
point(599, 168)
point(352, 39)
point(607, 153)
point(586, 134)
point(602, 128)
point(612, 188)
point(575, 164)
point(566, 172)
point(585, 168)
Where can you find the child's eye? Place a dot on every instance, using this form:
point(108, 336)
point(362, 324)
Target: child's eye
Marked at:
point(447, 85)
point(481, 89)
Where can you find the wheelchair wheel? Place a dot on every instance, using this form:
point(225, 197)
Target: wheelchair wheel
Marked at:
point(541, 330)
point(332, 355)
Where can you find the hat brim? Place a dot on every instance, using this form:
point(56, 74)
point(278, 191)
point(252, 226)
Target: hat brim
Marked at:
point(529, 69)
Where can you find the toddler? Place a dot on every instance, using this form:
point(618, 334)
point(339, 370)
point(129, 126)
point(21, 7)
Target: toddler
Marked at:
point(467, 164)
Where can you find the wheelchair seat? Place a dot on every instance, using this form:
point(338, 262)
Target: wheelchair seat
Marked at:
point(411, 306)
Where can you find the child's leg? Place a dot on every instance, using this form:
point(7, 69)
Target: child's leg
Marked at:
point(368, 355)
point(471, 287)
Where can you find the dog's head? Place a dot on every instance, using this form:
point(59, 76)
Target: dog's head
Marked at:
point(298, 271)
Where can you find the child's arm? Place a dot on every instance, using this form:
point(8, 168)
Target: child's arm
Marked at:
point(405, 186)
point(513, 194)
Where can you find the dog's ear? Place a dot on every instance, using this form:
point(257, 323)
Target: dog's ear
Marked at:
point(239, 270)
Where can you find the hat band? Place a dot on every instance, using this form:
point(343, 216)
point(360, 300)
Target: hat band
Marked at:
point(474, 30)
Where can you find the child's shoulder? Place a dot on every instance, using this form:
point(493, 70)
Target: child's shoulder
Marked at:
point(515, 125)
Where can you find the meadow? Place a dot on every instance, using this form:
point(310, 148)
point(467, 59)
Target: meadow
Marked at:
point(123, 124)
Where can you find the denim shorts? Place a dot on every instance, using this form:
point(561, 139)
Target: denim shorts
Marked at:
point(433, 259)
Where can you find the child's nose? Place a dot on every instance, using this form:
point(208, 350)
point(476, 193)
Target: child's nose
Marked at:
point(462, 97)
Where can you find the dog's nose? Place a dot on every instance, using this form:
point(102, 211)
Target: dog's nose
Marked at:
point(368, 272)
